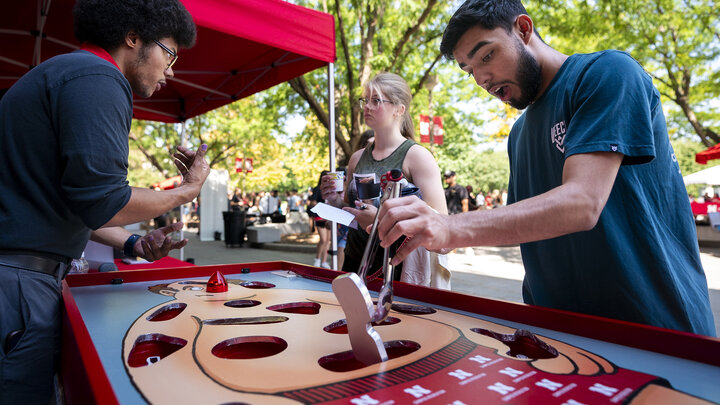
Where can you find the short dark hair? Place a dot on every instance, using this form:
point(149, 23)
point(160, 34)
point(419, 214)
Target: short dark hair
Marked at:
point(489, 14)
point(106, 22)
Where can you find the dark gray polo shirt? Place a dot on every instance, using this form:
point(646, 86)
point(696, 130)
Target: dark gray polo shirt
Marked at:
point(64, 139)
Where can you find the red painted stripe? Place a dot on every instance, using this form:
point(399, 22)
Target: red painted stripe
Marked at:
point(97, 385)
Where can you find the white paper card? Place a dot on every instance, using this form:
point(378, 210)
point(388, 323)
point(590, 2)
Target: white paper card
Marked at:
point(331, 213)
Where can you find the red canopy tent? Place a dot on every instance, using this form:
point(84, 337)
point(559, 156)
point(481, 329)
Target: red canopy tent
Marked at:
point(243, 47)
point(710, 153)
point(169, 183)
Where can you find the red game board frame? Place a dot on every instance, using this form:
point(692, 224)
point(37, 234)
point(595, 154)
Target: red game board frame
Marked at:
point(85, 381)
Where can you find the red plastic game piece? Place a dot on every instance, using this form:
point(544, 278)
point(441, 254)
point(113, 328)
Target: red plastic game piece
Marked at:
point(217, 283)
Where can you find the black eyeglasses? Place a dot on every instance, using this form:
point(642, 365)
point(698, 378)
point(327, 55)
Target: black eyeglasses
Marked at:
point(173, 54)
point(373, 102)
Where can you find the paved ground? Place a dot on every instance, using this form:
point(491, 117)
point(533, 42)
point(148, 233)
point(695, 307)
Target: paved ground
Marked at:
point(492, 272)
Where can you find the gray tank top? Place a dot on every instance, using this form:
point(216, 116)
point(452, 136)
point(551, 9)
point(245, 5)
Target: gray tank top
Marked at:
point(357, 238)
point(368, 165)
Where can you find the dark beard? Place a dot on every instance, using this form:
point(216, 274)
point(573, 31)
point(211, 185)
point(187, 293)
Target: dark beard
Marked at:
point(529, 76)
point(136, 81)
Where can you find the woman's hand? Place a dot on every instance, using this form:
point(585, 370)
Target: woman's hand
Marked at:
point(327, 187)
point(364, 213)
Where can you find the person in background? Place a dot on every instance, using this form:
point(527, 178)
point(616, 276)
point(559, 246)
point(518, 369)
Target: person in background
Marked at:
point(294, 205)
point(65, 127)
point(456, 196)
point(321, 226)
point(342, 233)
point(236, 201)
point(489, 200)
point(269, 203)
point(472, 206)
point(480, 200)
point(596, 199)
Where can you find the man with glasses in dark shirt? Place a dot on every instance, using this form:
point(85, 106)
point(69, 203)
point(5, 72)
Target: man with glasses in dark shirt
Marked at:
point(64, 133)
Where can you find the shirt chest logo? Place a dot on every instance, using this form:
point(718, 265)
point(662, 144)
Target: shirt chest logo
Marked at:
point(557, 135)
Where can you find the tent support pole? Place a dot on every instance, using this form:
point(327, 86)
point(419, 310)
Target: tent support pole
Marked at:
point(331, 108)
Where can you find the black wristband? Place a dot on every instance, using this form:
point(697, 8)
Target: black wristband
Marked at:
point(129, 247)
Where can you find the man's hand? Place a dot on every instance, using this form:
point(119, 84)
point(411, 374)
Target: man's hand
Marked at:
point(410, 216)
point(192, 165)
point(158, 243)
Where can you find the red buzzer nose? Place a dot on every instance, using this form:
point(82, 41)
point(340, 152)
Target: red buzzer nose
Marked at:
point(217, 283)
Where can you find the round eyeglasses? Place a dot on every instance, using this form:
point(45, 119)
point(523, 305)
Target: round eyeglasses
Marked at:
point(172, 54)
point(373, 102)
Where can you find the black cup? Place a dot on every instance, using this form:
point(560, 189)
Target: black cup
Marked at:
point(367, 191)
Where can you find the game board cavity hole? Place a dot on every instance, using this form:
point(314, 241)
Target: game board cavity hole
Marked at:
point(257, 284)
point(413, 309)
point(249, 347)
point(152, 347)
point(167, 312)
point(346, 361)
point(254, 320)
point(340, 327)
point(523, 344)
point(242, 303)
point(304, 308)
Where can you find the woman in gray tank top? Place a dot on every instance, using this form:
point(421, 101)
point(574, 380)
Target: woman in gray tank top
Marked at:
point(385, 102)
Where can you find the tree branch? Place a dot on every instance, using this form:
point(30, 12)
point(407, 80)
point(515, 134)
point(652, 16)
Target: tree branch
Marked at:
point(300, 86)
point(150, 157)
point(349, 72)
point(661, 80)
point(226, 151)
point(346, 49)
point(372, 19)
point(410, 32)
point(401, 58)
point(425, 76)
point(704, 22)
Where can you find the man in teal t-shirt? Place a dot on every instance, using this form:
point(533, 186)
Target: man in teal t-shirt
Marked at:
point(640, 262)
point(596, 196)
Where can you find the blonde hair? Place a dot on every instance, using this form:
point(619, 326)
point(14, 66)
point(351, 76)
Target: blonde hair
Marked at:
point(395, 89)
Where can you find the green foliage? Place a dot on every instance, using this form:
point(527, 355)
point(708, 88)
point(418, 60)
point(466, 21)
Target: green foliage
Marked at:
point(402, 37)
point(676, 41)
point(140, 172)
point(483, 170)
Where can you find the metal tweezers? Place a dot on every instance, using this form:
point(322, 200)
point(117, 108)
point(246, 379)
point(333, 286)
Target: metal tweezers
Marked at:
point(392, 190)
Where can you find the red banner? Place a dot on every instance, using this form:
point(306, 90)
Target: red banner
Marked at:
point(248, 167)
point(704, 208)
point(438, 131)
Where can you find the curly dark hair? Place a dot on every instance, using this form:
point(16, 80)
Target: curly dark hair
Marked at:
point(489, 14)
point(106, 22)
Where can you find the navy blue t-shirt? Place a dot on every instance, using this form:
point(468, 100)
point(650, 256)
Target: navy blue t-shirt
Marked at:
point(641, 261)
point(64, 135)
